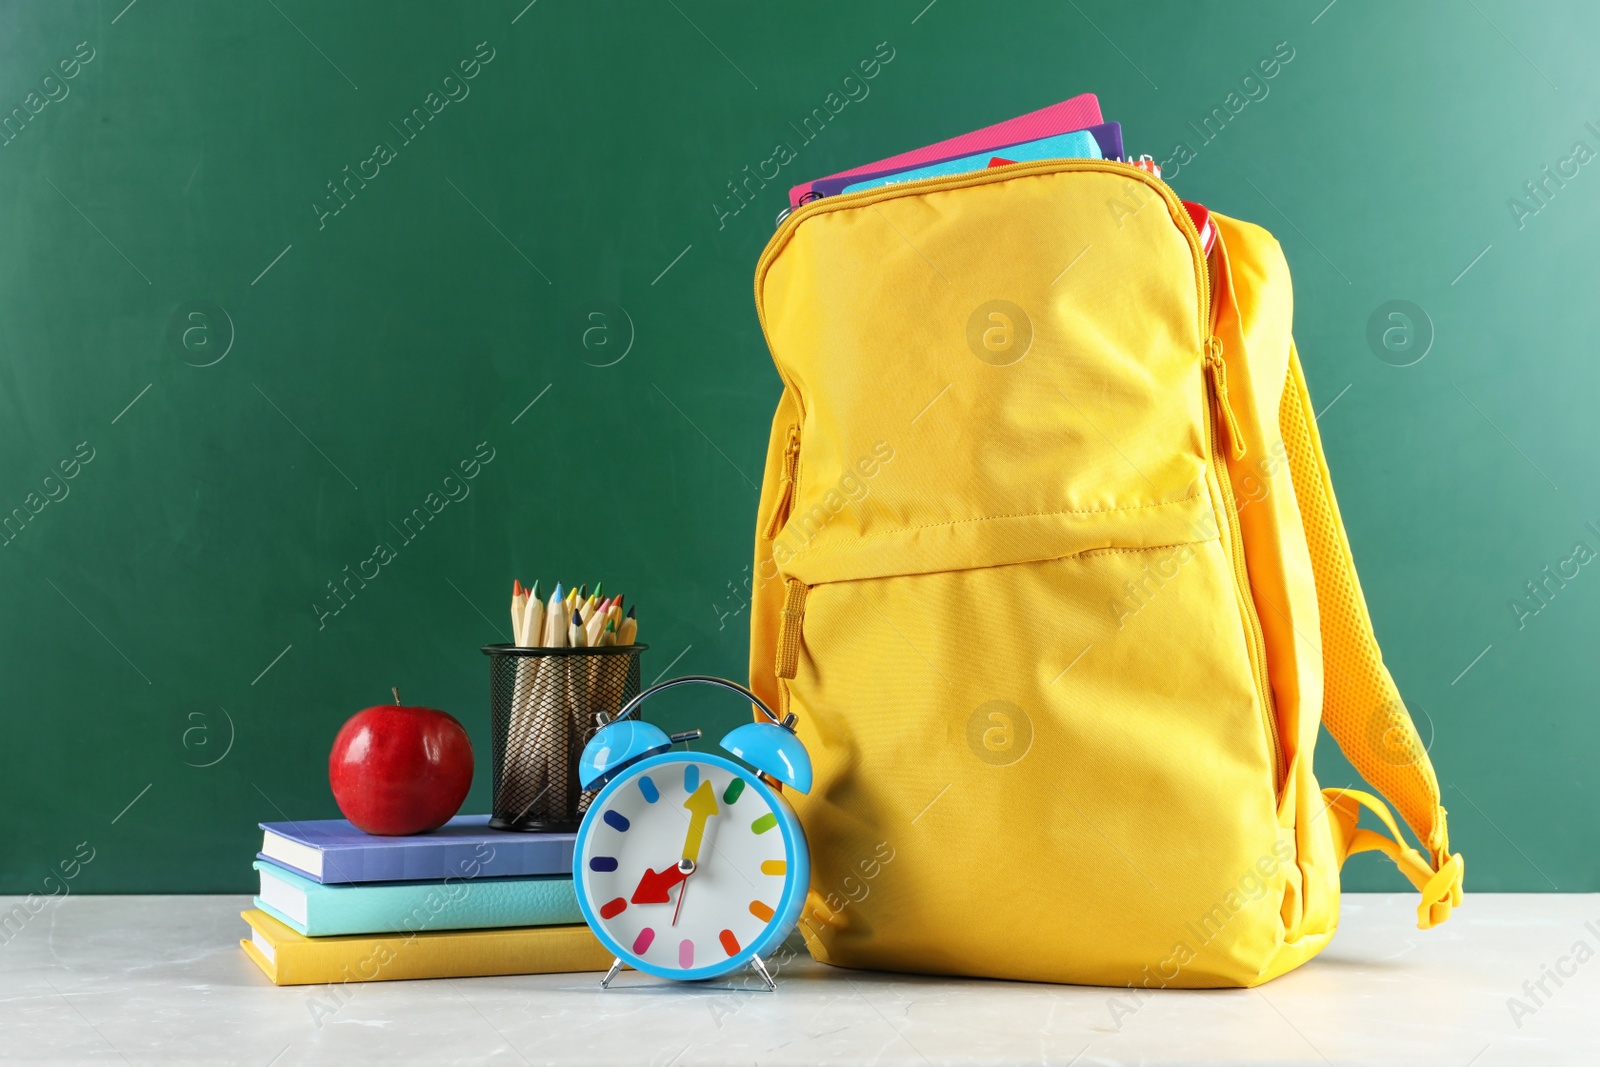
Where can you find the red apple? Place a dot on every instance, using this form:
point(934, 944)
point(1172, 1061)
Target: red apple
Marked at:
point(397, 770)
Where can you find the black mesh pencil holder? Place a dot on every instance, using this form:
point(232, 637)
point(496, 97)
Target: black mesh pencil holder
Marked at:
point(543, 704)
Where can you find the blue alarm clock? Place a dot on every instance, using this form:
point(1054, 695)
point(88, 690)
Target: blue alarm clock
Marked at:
point(690, 865)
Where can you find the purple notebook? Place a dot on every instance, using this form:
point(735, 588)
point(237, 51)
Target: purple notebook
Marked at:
point(333, 852)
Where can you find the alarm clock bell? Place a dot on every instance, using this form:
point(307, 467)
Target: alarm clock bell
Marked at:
point(770, 747)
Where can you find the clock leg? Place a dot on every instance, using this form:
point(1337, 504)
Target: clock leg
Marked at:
point(616, 965)
point(761, 969)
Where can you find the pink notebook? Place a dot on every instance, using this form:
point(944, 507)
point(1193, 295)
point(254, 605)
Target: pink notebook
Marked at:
point(1078, 113)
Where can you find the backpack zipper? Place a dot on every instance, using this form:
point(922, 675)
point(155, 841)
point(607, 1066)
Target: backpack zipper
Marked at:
point(1212, 364)
point(1218, 370)
point(1222, 413)
point(791, 467)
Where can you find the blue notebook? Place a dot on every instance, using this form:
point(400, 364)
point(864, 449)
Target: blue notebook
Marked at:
point(412, 907)
point(333, 852)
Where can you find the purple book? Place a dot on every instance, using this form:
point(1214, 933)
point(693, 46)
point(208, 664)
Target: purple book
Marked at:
point(333, 852)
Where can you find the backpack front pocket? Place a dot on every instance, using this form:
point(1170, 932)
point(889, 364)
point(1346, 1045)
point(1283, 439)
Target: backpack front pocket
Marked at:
point(1077, 737)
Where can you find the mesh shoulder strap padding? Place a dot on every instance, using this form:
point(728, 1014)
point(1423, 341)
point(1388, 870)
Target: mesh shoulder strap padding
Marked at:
point(1361, 707)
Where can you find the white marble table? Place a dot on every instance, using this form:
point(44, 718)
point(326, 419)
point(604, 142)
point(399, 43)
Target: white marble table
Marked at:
point(161, 980)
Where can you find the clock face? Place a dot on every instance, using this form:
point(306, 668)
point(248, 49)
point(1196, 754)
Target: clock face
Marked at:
point(703, 918)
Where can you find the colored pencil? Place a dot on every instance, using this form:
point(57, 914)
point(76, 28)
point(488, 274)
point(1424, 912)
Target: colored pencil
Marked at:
point(519, 601)
point(594, 628)
point(532, 620)
point(576, 638)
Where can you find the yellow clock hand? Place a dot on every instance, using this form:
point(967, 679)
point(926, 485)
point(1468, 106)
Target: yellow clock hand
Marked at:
point(702, 804)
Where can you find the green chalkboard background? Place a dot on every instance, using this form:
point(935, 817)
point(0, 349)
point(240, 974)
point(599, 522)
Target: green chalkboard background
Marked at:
point(159, 616)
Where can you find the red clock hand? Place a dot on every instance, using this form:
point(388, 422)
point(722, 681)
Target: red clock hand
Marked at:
point(655, 887)
point(684, 888)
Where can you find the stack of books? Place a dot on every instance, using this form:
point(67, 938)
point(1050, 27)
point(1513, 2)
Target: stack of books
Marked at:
point(340, 905)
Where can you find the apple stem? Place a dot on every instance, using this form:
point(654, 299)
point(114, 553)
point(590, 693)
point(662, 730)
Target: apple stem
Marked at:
point(395, 689)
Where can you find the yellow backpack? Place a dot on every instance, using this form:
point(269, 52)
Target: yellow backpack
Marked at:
point(1051, 571)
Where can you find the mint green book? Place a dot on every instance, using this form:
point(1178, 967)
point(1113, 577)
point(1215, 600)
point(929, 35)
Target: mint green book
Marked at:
point(413, 907)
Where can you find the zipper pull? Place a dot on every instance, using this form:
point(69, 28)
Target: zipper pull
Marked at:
point(792, 619)
point(780, 509)
point(1219, 385)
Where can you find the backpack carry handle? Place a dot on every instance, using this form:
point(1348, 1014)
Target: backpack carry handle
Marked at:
point(705, 679)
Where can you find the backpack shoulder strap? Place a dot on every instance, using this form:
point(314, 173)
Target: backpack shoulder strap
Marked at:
point(1362, 708)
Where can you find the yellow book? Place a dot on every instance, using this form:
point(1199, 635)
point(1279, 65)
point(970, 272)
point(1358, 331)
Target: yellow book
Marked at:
point(289, 958)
